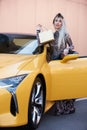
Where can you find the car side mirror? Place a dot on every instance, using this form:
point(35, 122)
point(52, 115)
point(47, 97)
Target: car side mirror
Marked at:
point(69, 57)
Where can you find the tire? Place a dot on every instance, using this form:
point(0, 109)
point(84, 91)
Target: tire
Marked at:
point(36, 104)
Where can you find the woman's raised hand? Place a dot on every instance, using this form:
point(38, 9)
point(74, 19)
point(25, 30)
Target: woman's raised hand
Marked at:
point(39, 27)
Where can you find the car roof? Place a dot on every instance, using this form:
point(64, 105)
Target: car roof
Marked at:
point(18, 35)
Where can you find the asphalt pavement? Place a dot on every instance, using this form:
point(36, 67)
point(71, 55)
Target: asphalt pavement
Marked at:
point(75, 121)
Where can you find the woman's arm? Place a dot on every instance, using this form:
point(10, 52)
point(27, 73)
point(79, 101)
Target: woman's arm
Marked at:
point(69, 42)
point(38, 30)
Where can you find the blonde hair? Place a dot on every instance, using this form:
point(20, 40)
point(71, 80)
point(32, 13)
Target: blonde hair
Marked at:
point(62, 33)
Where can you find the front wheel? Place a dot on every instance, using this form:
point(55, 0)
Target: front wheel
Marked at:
point(36, 105)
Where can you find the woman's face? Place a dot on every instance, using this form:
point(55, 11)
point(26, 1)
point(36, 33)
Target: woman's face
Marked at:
point(58, 23)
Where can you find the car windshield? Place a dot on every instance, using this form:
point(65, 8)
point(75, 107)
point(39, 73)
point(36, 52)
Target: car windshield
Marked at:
point(18, 45)
point(28, 48)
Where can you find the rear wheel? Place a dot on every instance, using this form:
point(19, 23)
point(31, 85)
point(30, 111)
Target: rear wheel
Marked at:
point(36, 105)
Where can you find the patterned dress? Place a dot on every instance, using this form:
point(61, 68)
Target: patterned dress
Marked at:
point(63, 106)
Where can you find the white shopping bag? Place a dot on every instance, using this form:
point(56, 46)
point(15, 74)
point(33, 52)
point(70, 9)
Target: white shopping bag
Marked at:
point(46, 36)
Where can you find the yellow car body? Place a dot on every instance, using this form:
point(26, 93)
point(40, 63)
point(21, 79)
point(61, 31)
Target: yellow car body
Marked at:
point(61, 79)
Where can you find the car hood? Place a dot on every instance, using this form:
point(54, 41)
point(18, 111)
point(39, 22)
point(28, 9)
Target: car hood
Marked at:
point(11, 64)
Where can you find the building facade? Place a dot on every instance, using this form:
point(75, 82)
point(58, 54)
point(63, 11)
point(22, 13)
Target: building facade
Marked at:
point(22, 16)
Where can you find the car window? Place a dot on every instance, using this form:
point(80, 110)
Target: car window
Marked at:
point(18, 44)
point(29, 48)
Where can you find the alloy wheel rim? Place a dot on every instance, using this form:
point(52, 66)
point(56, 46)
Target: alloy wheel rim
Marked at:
point(37, 103)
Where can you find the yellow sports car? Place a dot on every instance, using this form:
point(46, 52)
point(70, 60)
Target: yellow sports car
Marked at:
point(30, 83)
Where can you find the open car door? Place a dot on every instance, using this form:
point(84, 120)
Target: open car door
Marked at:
point(68, 77)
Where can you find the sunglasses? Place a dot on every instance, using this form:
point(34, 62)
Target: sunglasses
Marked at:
point(57, 20)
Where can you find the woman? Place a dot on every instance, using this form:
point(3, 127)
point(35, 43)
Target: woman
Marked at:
point(61, 46)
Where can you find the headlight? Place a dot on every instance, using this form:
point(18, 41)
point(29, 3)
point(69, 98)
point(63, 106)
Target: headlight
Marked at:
point(11, 83)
